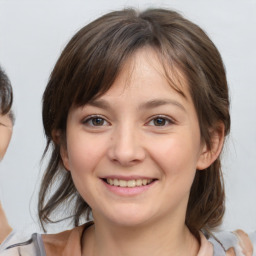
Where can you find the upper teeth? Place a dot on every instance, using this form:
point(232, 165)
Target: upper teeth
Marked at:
point(128, 183)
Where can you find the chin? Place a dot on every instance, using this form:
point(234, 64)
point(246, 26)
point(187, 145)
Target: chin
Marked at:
point(130, 217)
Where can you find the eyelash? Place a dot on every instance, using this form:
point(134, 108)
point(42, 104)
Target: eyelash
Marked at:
point(88, 121)
point(166, 121)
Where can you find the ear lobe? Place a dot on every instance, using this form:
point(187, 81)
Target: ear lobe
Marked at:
point(209, 155)
point(58, 140)
point(56, 136)
point(64, 157)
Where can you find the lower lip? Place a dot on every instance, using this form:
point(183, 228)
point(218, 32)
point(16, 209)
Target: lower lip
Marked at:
point(126, 191)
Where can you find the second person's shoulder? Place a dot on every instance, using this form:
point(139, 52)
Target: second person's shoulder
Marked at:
point(237, 243)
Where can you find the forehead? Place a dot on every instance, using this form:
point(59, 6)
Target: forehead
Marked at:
point(147, 68)
point(143, 87)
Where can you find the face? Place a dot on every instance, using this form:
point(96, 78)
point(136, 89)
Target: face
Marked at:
point(134, 151)
point(5, 133)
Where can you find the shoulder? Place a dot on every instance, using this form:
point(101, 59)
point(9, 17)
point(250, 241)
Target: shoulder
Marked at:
point(65, 243)
point(17, 244)
point(237, 243)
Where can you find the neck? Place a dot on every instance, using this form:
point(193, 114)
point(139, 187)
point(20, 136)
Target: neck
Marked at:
point(153, 240)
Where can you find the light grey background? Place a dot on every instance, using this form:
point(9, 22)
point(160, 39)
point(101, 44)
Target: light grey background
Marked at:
point(32, 35)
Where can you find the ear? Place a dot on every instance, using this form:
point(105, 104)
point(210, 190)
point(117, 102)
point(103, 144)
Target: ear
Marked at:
point(58, 139)
point(209, 155)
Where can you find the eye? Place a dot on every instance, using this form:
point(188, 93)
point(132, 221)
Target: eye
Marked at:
point(160, 121)
point(2, 124)
point(95, 121)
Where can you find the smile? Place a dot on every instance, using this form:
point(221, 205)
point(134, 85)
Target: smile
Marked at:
point(129, 183)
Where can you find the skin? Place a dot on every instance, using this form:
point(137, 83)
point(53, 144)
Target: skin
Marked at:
point(5, 133)
point(5, 137)
point(244, 242)
point(145, 129)
point(5, 228)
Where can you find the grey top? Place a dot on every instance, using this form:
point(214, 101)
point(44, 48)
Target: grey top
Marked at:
point(15, 245)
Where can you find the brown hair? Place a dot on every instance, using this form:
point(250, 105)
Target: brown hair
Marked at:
point(89, 65)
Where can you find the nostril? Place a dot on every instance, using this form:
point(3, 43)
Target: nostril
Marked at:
point(125, 151)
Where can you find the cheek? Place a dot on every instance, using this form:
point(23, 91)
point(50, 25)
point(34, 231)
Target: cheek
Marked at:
point(5, 137)
point(84, 156)
point(177, 156)
point(84, 153)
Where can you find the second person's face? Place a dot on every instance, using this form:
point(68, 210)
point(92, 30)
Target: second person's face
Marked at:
point(5, 133)
point(134, 151)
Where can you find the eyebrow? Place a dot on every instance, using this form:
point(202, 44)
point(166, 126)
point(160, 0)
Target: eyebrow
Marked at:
point(101, 103)
point(161, 102)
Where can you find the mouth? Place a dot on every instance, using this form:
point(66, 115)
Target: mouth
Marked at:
point(128, 183)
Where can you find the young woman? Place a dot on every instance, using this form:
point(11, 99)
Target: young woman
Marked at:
point(136, 112)
point(6, 125)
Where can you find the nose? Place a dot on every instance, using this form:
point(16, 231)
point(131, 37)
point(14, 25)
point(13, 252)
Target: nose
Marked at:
point(126, 146)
